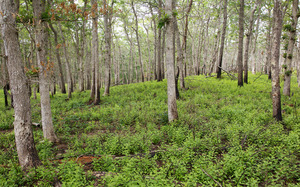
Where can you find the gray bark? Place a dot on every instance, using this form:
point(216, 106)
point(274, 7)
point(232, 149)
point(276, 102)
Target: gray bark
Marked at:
point(95, 51)
point(248, 38)
point(138, 42)
point(289, 56)
point(241, 39)
point(61, 75)
point(219, 68)
point(41, 40)
point(26, 150)
point(276, 100)
point(179, 54)
point(170, 62)
point(107, 35)
point(68, 67)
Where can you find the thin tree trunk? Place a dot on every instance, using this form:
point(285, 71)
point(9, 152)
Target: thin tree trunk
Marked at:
point(68, 68)
point(179, 54)
point(248, 38)
point(158, 68)
point(95, 51)
point(163, 54)
point(240, 49)
point(155, 43)
point(275, 60)
point(82, 43)
point(255, 41)
point(170, 62)
point(26, 150)
point(44, 74)
point(149, 53)
point(289, 56)
point(61, 75)
point(219, 70)
point(107, 34)
point(184, 40)
point(138, 42)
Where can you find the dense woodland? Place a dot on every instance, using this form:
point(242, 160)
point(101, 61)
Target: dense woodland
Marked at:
point(149, 93)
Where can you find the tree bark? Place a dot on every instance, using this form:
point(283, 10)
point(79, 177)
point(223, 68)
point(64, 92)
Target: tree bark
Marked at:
point(219, 70)
point(155, 43)
point(26, 150)
point(95, 51)
point(276, 100)
point(179, 54)
point(248, 38)
point(158, 44)
point(41, 40)
point(61, 75)
point(68, 68)
point(107, 34)
point(170, 62)
point(138, 42)
point(291, 44)
point(82, 46)
point(240, 48)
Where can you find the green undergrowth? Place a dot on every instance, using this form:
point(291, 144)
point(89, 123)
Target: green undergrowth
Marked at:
point(225, 136)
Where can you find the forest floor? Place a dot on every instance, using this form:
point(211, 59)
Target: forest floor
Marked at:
point(225, 136)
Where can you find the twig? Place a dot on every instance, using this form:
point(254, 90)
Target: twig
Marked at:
point(257, 77)
point(211, 177)
point(228, 73)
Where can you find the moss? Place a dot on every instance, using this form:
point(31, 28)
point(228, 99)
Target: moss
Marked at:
point(284, 55)
point(288, 73)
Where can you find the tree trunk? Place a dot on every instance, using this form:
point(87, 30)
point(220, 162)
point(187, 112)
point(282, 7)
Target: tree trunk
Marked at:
point(158, 67)
point(248, 38)
point(219, 70)
point(170, 60)
point(289, 56)
point(163, 54)
point(26, 150)
point(95, 50)
point(138, 42)
point(68, 68)
point(275, 60)
point(255, 40)
point(269, 49)
point(61, 75)
point(179, 54)
point(240, 49)
point(82, 46)
point(155, 43)
point(41, 40)
point(107, 34)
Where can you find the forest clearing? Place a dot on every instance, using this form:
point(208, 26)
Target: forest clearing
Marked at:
point(225, 135)
point(149, 93)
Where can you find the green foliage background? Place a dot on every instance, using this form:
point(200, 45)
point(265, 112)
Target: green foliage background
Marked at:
point(225, 134)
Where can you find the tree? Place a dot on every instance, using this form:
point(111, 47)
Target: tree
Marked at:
point(26, 150)
point(107, 35)
point(275, 60)
point(138, 41)
point(248, 39)
point(95, 51)
point(241, 39)
point(68, 67)
point(170, 61)
point(41, 40)
point(289, 55)
point(158, 43)
point(219, 70)
point(61, 74)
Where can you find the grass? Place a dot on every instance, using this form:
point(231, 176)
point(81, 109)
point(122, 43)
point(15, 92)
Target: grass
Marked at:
point(225, 136)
